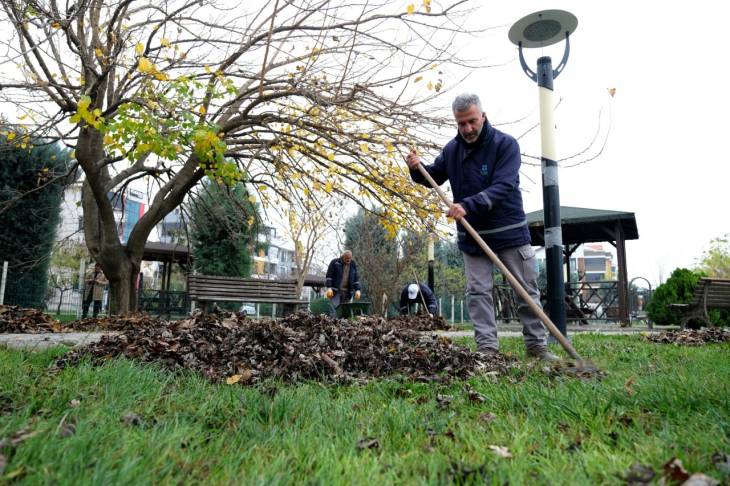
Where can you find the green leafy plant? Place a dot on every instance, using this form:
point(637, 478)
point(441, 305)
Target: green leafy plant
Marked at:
point(677, 289)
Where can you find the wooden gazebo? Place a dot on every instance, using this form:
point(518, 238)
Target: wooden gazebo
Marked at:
point(583, 225)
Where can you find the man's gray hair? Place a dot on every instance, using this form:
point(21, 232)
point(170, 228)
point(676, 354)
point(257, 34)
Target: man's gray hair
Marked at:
point(463, 102)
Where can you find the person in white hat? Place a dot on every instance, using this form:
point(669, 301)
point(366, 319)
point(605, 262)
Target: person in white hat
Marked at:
point(417, 293)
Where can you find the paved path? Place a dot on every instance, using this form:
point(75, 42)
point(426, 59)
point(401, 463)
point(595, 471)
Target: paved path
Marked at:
point(39, 342)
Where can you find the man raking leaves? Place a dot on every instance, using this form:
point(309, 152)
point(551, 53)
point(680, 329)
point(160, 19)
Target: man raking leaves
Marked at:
point(482, 164)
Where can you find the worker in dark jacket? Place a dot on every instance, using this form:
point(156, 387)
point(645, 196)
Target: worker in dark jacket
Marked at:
point(417, 293)
point(482, 165)
point(342, 281)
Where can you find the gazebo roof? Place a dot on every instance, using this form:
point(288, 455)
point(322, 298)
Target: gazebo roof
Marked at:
point(154, 251)
point(584, 225)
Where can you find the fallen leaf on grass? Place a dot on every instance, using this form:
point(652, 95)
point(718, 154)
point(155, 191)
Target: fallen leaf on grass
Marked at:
point(674, 472)
point(132, 418)
point(638, 475)
point(367, 443)
point(463, 474)
point(473, 395)
point(501, 451)
point(488, 417)
point(627, 386)
point(700, 479)
point(233, 379)
point(444, 400)
point(75, 403)
point(722, 463)
point(18, 437)
point(68, 430)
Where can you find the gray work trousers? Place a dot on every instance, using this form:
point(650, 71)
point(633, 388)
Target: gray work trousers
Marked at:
point(337, 299)
point(522, 263)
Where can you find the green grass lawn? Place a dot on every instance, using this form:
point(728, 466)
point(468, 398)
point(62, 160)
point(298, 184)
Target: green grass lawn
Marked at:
point(559, 430)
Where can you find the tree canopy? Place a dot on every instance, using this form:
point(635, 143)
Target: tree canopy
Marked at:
point(297, 98)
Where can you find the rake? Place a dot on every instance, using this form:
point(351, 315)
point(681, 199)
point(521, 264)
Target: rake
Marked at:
point(582, 365)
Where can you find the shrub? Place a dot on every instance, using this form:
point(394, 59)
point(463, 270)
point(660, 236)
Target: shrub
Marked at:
point(678, 289)
point(320, 306)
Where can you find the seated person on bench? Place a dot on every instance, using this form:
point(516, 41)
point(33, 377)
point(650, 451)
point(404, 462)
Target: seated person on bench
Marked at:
point(412, 295)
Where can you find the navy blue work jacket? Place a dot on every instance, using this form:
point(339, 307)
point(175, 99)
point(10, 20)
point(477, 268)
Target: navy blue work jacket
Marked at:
point(428, 296)
point(485, 180)
point(334, 275)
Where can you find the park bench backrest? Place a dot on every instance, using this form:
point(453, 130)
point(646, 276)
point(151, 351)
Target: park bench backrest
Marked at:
point(718, 293)
point(206, 288)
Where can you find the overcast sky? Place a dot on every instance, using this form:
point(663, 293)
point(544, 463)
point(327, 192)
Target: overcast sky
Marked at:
point(665, 158)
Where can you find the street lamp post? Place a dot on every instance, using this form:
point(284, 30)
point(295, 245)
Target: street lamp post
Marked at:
point(537, 30)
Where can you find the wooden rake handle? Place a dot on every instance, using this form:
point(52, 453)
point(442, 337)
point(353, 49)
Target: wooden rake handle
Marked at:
point(508, 275)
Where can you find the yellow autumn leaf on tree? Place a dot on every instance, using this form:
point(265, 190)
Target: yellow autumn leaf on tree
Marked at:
point(144, 65)
point(328, 187)
point(55, 25)
point(139, 48)
point(429, 86)
point(411, 9)
point(11, 136)
point(262, 188)
point(165, 42)
point(418, 79)
point(364, 147)
point(162, 76)
point(207, 69)
point(202, 110)
point(233, 379)
point(331, 157)
point(427, 5)
point(252, 199)
point(108, 140)
point(99, 53)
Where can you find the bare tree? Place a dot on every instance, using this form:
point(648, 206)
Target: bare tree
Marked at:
point(288, 96)
point(309, 226)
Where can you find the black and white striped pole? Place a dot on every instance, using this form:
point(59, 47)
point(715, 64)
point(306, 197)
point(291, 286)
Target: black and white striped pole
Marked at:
point(538, 30)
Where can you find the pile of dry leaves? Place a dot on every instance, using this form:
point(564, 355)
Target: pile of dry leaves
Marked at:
point(13, 319)
point(690, 337)
point(421, 321)
point(301, 346)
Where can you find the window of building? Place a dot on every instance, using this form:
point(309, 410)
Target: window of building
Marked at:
point(595, 264)
point(273, 253)
point(593, 277)
point(81, 223)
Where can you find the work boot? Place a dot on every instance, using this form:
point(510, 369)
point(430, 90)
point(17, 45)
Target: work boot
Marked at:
point(542, 353)
point(488, 351)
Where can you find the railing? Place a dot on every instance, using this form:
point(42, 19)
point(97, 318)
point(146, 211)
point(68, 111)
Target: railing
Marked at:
point(164, 303)
point(585, 302)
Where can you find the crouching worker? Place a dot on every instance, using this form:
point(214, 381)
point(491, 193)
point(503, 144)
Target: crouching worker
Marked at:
point(417, 293)
point(342, 281)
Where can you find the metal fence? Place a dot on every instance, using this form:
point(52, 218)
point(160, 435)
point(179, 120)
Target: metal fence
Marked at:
point(60, 298)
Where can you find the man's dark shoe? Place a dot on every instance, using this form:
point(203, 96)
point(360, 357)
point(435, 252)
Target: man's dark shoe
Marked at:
point(542, 353)
point(488, 351)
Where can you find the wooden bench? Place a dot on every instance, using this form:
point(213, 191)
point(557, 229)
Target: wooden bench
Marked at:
point(206, 288)
point(710, 294)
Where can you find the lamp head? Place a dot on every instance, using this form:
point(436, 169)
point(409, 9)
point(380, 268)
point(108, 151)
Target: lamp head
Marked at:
point(543, 28)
